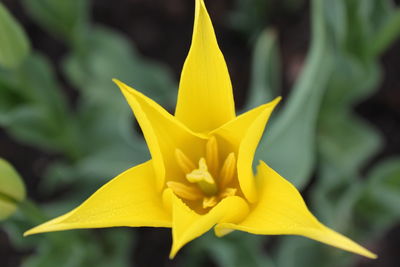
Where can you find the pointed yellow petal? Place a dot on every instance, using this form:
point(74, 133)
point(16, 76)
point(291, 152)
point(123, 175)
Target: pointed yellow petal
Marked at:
point(187, 224)
point(130, 199)
point(205, 98)
point(163, 133)
point(244, 133)
point(281, 211)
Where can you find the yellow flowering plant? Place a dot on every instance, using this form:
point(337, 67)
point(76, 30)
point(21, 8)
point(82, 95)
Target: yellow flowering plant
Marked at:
point(200, 174)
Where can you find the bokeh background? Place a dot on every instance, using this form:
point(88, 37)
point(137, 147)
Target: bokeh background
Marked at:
point(67, 130)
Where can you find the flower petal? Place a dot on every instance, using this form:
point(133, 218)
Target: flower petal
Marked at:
point(244, 133)
point(281, 211)
point(130, 199)
point(187, 224)
point(205, 98)
point(164, 134)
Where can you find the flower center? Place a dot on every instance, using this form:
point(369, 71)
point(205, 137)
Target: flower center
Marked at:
point(207, 182)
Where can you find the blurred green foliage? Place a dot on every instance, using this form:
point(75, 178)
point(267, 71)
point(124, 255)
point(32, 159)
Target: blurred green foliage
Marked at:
point(96, 138)
point(67, 19)
point(14, 43)
point(250, 17)
point(12, 190)
point(318, 121)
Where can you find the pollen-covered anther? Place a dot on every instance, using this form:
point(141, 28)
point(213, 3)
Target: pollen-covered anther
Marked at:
point(227, 172)
point(209, 202)
point(184, 191)
point(228, 192)
point(212, 155)
point(183, 161)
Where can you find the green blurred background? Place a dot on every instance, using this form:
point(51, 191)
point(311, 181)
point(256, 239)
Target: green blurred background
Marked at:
point(66, 129)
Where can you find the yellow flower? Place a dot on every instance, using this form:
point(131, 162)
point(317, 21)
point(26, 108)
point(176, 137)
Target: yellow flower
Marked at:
point(200, 174)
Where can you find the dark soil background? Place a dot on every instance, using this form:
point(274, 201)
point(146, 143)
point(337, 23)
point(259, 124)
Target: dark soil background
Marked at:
point(161, 30)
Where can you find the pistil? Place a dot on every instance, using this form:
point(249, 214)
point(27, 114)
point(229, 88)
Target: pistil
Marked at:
point(203, 178)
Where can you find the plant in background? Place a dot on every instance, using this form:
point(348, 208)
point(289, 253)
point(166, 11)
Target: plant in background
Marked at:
point(200, 174)
point(318, 132)
point(12, 190)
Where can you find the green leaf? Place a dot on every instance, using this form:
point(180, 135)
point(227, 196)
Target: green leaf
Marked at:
point(335, 15)
point(289, 146)
point(385, 183)
point(108, 247)
point(12, 189)
point(352, 81)
point(248, 15)
point(111, 55)
point(386, 35)
point(14, 45)
point(235, 250)
point(334, 196)
point(300, 251)
point(379, 204)
point(96, 168)
point(265, 75)
point(34, 110)
point(346, 141)
point(251, 16)
point(64, 18)
point(371, 25)
point(105, 120)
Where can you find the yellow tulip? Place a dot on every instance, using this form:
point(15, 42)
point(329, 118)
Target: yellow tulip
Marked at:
point(200, 173)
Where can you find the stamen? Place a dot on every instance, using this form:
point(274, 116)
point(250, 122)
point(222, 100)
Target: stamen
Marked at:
point(184, 162)
point(184, 191)
point(212, 155)
point(228, 192)
point(228, 170)
point(205, 187)
point(209, 202)
point(203, 178)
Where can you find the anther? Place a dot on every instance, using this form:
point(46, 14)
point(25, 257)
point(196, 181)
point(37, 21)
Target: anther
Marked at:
point(212, 155)
point(209, 202)
point(228, 170)
point(228, 192)
point(184, 191)
point(184, 162)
